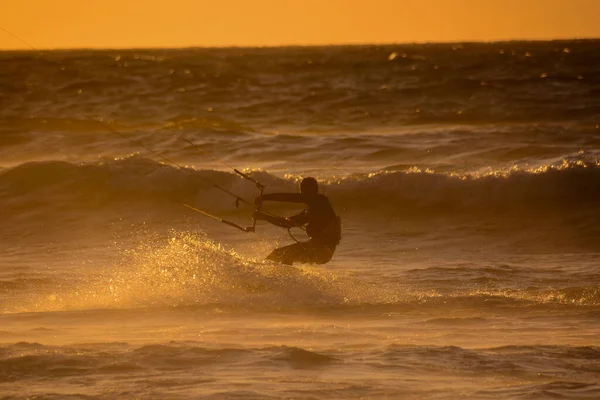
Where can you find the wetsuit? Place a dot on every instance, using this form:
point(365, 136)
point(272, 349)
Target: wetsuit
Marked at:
point(323, 227)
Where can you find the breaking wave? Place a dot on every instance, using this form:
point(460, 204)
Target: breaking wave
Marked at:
point(565, 188)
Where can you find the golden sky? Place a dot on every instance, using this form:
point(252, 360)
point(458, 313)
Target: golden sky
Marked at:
point(181, 23)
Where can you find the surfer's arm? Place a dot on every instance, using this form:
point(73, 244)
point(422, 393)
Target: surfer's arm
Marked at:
point(296, 220)
point(281, 197)
point(277, 221)
point(283, 222)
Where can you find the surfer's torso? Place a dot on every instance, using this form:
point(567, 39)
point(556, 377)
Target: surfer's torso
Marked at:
point(322, 222)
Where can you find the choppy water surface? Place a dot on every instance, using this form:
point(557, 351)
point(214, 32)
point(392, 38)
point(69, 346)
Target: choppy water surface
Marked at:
point(467, 177)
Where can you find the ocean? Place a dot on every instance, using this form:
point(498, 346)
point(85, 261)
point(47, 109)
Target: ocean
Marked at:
point(467, 177)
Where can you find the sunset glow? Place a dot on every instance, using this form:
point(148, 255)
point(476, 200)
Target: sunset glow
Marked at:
point(182, 23)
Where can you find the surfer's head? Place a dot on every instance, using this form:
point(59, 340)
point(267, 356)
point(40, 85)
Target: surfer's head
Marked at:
point(309, 187)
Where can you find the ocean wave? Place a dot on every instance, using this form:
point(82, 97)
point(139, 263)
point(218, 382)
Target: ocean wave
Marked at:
point(524, 361)
point(27, 360)
point(25, 130)
point(563, 187)
point(569, 187)
point(193, 368)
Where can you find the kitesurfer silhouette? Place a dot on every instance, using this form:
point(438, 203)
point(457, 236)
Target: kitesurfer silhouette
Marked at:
point(323, 226)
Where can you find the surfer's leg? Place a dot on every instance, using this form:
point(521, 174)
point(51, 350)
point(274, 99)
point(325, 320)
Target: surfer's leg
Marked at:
point(285, 255)
point(317, 253)
point(307, 252)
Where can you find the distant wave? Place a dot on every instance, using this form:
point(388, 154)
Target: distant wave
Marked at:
point(335, 86)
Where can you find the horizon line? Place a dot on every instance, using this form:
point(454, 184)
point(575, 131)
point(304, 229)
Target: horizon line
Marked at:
point(273, 46)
